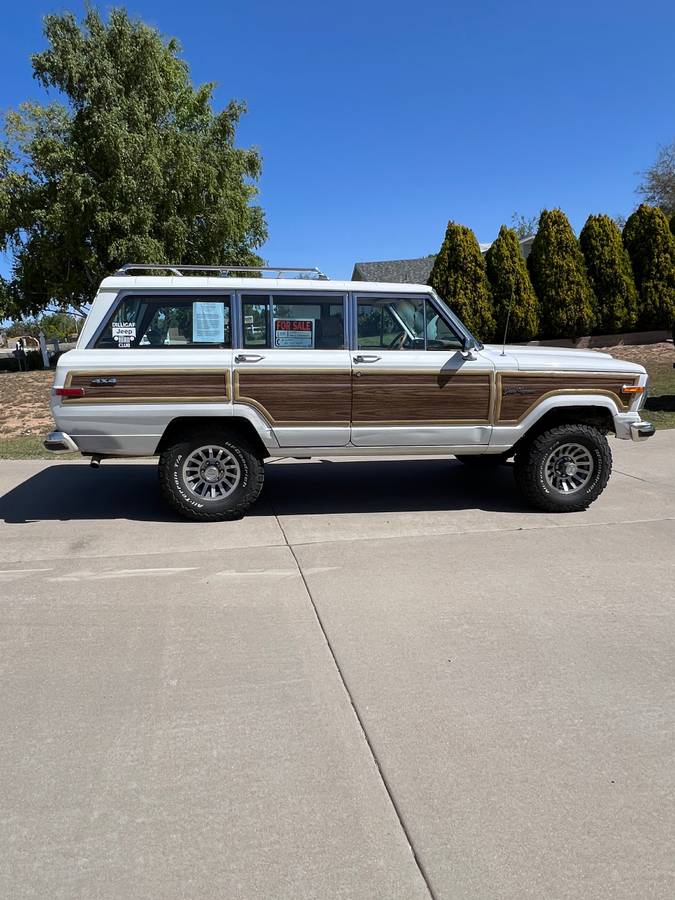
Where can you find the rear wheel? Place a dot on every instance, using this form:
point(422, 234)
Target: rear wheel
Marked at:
point(210, 476)
point(565, 468)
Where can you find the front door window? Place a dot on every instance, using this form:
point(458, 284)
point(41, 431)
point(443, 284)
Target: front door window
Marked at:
point(403, 323)
point(391, 324)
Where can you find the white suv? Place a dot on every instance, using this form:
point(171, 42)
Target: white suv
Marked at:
point(214, 374)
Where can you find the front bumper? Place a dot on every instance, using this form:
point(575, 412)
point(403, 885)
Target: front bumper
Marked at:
point(640, 431)
point(60, 442)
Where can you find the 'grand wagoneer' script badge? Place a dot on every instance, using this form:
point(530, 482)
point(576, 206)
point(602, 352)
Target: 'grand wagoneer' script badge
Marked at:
point(520, 391)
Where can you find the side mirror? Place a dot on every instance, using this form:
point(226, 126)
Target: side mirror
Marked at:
point(468, 348)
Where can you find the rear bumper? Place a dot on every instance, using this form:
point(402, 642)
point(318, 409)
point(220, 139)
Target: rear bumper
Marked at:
point(60, 442)
point(640, 431)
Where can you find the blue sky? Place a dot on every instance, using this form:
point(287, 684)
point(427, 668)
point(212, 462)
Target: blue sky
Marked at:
point(378, 121)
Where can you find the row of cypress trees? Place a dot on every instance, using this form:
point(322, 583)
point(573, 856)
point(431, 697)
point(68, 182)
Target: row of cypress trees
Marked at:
point(604, 282)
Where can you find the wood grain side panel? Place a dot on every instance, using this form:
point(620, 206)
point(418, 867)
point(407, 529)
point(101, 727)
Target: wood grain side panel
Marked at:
point(159, 386)
point(421, 397)
point(520, 393)
point(297, 397)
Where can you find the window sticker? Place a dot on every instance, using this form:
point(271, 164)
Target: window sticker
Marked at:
point(124, 333)
point(208, 322)
point(294, 333)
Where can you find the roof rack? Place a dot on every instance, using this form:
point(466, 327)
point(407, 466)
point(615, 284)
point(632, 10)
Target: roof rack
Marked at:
point(222, 271)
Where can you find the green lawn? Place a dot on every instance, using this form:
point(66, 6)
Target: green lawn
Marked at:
point(29, 446)
point(658, 360)
point(660, 405)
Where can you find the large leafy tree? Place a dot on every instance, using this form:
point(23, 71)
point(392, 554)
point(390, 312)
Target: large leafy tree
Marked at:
point(58, 325)
point(610, 273)
point(559, 278)
point(129, 164)
point(458, 276)
point(651, 247)
point(512, 291)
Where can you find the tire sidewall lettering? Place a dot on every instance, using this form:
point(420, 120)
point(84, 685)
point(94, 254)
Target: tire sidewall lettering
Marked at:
point(598, 468)
point(186, 496)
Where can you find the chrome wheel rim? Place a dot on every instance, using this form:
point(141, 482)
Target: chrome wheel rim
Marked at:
point(568, 468)
point(211, 472)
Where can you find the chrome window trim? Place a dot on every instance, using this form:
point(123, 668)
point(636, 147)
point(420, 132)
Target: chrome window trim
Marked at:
point(237, 322)
point(349, 299)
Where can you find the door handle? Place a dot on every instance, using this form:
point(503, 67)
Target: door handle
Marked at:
point(366, 358)
point(248, 357)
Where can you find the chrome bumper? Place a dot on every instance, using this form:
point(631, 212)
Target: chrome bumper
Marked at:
point(640, 431)
point(60, 442)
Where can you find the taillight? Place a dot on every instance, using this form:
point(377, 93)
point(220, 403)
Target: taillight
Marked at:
point(69, 392)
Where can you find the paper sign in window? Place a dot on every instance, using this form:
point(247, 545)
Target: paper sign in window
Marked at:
point(294, 333)
point(208, 323)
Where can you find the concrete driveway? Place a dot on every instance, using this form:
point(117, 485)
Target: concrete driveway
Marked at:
point(390, 681)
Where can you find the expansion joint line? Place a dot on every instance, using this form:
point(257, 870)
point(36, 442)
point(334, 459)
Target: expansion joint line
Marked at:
point(361, 724)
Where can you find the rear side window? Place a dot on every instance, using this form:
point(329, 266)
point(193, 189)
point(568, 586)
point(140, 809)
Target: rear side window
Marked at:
point(157, 322)
point(288, 322)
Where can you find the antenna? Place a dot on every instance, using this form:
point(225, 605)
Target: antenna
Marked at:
point(508, 317)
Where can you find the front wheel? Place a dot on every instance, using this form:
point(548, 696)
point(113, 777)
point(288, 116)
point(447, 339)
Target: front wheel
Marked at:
point(565, 468)
point(210, 476)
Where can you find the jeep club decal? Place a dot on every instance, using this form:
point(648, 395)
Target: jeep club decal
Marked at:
point(124, 333)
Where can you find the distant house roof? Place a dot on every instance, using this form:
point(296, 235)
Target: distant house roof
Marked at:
point(412, 271)
point(403, 271)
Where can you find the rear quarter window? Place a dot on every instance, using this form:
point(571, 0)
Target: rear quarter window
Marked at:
point(155, 322)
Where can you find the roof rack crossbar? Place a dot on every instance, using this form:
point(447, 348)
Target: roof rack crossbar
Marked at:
point(222, 271)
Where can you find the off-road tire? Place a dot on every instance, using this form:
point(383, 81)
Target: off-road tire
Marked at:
point(530, 463)
point(179, 496)
point(483, 460)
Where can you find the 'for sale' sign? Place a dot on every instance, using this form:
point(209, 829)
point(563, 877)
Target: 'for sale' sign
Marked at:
point(289, 333)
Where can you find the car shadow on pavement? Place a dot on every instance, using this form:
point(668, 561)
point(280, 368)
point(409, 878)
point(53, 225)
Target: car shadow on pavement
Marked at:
point(400, 485)
point(74, 491)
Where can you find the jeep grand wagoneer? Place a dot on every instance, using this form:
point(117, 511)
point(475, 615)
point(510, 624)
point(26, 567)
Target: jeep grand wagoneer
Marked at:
point(214, 374)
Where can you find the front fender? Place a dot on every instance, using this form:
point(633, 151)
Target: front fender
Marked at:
point(507, 435)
